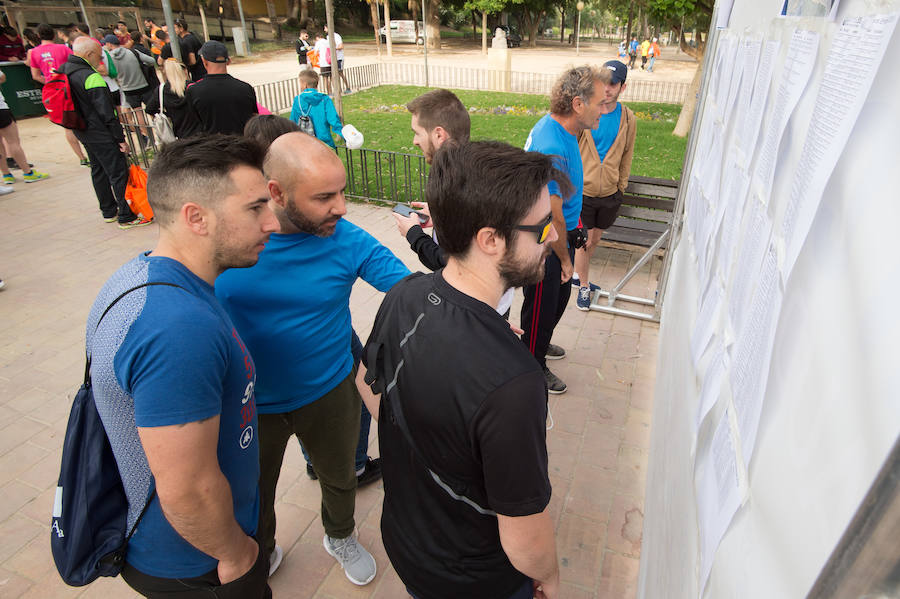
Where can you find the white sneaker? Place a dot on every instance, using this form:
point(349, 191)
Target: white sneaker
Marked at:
point(275, 559)
point(5, 189)
point(358, 564)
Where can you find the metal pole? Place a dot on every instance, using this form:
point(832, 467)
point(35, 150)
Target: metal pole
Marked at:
point(425, 40)
point(580, 7)
point(170, 25)
point(84, 15)
point(244, 26)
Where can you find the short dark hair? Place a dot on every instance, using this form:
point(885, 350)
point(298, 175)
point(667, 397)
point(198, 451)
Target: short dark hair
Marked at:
point(485, 184)
point(136, 36)
point(45, 32)
point(82, 27)
point(181, 23)
point(10, 31)
point(197, 169)
point(441, 108)
point(161, 35)
point(266, 128)
point(121, 23)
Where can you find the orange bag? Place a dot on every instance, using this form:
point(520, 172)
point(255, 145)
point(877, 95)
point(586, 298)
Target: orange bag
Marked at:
point(313, 58)
point(136, 193)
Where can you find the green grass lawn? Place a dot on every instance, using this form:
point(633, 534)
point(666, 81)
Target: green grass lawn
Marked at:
point(381, 115)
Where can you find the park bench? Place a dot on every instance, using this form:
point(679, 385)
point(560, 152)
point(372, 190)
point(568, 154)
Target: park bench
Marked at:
point(645, 213)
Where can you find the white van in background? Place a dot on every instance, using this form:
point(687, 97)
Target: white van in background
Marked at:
point(404, 31)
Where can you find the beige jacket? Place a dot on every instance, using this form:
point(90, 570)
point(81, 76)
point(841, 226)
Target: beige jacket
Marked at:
point(602, 179)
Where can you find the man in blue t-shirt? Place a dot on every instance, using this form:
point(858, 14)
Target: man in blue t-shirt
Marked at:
point(174, 383)
point(606, 154)
point(293, 311)
point(575, 104)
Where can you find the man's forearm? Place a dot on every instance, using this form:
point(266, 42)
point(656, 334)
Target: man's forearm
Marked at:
point(561, 245)
point(203, 514)
point(531, 548)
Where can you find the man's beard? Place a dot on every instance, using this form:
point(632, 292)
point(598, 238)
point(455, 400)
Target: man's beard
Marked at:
point(517, 274)
point(322, 229)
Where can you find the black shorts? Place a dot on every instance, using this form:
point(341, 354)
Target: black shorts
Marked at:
point(325, 71)
point(136, 97)
point(6, 118)
point(600, 213)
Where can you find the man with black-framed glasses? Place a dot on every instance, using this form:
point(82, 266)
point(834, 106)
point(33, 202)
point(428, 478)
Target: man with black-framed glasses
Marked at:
point(463, 405)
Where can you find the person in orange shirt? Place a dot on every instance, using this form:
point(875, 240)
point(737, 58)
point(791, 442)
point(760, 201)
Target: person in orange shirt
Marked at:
point(654, 52)
point(155, 43)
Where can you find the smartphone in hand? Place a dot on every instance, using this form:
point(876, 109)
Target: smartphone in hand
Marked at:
point(405, 210)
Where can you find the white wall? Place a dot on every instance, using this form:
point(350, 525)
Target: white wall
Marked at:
point(832, 404)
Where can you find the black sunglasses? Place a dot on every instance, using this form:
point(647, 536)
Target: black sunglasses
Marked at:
point(542, 229)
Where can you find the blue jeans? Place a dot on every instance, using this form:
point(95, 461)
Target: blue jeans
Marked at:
point(365, 420)
point(652, 60)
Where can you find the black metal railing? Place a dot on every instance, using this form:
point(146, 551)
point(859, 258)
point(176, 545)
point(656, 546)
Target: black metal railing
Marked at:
point(381, 176)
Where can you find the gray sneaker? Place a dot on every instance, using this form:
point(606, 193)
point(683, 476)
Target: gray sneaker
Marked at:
point(555, 352)
point(555, 385)
point(358, 564)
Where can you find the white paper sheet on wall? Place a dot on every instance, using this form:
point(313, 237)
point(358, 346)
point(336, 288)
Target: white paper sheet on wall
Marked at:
point(859, 42)
point(752, 352)
point(750, 52)
point(757, 232)
point(749, 132)
point(707, 319)
point(719, 492)
point(711, 388)
point(798, 66)
point(732, 209)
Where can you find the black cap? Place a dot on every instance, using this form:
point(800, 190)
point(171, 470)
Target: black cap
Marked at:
point(109, 38)
point(213, 51)
point(617, 69)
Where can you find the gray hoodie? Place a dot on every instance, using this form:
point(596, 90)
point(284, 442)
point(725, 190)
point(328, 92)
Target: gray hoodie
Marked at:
point(129, 75)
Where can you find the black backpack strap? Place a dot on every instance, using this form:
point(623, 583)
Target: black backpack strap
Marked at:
point(87, 366)
point(87, 381)
point(389, 389)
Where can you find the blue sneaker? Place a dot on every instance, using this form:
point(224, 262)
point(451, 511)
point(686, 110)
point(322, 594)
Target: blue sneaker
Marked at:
point(584, 299)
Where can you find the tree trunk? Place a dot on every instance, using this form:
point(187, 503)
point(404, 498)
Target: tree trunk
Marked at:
point(413, 6)
point(433, 24)
point(294, 9)
point(273, 19)
point(387, 28)
point(532, 24)
point(562, 25)
point(484, 29)
point(686, 117)
point(376, 22)
point(630, 18)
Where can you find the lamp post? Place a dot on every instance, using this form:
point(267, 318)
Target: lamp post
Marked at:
point(580, 7)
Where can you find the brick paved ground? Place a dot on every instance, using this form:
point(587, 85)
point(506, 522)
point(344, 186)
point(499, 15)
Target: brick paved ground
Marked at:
point(55, 253)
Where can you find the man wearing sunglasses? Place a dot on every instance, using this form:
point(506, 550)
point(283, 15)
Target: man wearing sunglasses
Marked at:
point(576, 102)
point(463, 406)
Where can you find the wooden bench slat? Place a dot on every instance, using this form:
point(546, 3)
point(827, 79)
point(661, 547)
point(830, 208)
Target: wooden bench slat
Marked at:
point(644, 202)
point(645, 214)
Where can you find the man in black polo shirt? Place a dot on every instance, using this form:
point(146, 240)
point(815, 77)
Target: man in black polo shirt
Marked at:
point(223, 103)
point(192, 44)
point(463, 406)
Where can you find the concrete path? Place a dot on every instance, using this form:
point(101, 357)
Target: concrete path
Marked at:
point(56, 252)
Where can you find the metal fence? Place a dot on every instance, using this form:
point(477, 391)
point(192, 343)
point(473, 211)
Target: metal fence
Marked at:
point(377, 175)
point(278, 96)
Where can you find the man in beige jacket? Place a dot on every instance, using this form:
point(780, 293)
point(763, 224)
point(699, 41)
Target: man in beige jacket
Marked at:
point(606, 154)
